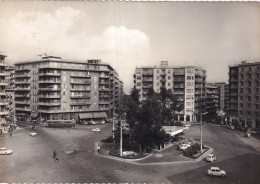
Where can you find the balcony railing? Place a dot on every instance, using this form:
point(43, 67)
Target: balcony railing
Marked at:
point(50, 81)
point(49, 96)
point(80, 96)
point(49, 89)
point(50, 74)
point(23, 89)
point(49, 103)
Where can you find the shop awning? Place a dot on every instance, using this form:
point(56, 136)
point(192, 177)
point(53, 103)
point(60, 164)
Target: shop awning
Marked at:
point(99, 114)
point(86, 116)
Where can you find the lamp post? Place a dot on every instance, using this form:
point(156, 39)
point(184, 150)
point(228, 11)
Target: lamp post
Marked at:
point(121, 136)
point(201, 119)
point(113, 129)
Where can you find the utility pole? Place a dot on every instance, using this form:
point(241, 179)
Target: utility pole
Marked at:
point(121, 138)
point(113, 129)
point(201, 118)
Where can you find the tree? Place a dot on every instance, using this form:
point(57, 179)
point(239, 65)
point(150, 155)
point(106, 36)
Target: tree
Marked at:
point(148, 130)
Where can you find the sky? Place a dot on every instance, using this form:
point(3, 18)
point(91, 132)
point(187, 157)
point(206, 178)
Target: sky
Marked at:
point(133, 34)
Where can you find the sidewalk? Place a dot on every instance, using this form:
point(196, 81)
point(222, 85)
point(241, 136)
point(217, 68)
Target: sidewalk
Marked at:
point(253, 141)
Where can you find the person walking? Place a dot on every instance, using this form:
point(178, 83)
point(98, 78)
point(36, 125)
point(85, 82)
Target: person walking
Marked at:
point(56, 159)
point(54, 154)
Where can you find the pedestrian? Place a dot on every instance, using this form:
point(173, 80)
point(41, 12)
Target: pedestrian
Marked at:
point(98, 149)
point(54, 154)
point(56, 159)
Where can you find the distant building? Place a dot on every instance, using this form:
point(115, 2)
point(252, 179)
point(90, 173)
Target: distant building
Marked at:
point(55, 89)
point(187, 83)
point(244, 94)
point(221, 94)
point(3, 84)
point(212, 100)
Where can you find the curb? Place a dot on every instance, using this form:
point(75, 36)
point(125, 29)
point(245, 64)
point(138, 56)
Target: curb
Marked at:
point(134, 161)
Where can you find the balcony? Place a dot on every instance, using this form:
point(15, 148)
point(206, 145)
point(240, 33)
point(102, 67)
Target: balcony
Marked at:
point(149, 86)
point(2, 102)
point(103, 96)
point(23, 89)
point(22, 96)
point(179, 86)
point(104, 102)
point(147, 79)
point(3, 82)
point(103, 89)
point(22, 69)
point(149, 73)
point(22, 76)
point(80, 103)
point(49, 89)
point(23, 109)
point(80, 75)
point(49, 96)
point(50, 74)
point(23, 82)
point(80, 96)
point(104, 76)
point(104, 82)
point(50, 81)
point(49, 103)
point(79, 89)
point(80, 82)
point(3, 73)
point(3, 113)
point(2, 93)
point(22, 102)
point(178, 92)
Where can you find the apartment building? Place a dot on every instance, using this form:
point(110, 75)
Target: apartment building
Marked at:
point(187, 84)
point(3, 84)
point(244, 94)
point(212, 100)
point(55, 89)
point(10, 88)
point(221, 94)
point(226, 100)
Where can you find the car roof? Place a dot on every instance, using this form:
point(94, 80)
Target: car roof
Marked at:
point(214, 168)
point(210, 155)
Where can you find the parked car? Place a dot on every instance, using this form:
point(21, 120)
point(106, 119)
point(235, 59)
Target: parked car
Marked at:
point(216, 171)
point(187, 126)
point(232, 127)
point(184, 146)
point(96, 130)
point(247, 134)
point(33, 134)
point(211, 158)
point(5, 151)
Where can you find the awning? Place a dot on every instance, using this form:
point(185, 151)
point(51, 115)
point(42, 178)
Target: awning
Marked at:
point(86, 116)
point(99, 114)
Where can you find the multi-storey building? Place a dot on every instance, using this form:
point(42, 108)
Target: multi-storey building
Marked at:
point(10, 88)
point(212, 100)
point(244, 94)
point(226, 100)
point(3, 84)
point(54, 89)
point(187, 84)
point(221, 94)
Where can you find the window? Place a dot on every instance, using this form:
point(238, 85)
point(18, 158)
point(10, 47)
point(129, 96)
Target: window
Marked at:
point(157, 71)
point(157, 83)
point(189, 77)
point(169, 71)
point(189, 84)
point(138, 71)
point(138, 77)
point(157, 77)
point(138, 84)
point(169, 77)
point(188, 90)
point(169, 84)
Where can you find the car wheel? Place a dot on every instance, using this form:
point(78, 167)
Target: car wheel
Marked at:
point(211, 174)
point(223, 175)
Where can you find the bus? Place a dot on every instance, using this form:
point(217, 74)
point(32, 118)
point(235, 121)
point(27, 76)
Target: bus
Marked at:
point(61, 123)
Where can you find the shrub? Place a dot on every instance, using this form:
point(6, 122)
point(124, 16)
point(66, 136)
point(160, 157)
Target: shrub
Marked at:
point(108, 140)
point(192, 150)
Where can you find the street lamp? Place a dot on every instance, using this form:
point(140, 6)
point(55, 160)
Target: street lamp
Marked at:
point(121, 135)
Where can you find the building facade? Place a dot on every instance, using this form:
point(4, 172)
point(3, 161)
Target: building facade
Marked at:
point(10, 88)
point(244, 94)
point(212, 101)
point(186, 83)
point(3, 84)
point(53, 89)
point(221, 94)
